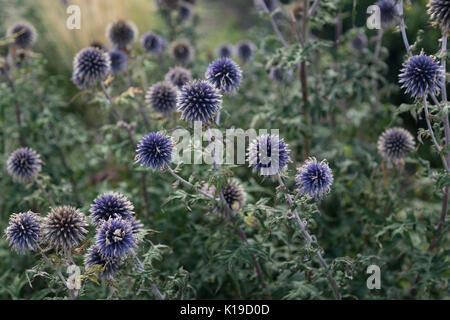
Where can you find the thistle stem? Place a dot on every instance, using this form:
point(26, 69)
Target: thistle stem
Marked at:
point(403, 28)
point(12, 87)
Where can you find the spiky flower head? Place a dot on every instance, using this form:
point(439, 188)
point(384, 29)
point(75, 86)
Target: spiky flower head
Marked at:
point(439, 11)
point(108, 268)
point(24, 165)
point(168, 4)
point(360, 42)
point(225, 74)
point(115, 238)
point(268, 154)
point(178, 76)
point(24, 34)
point(155, 150)
point(121, 33)
point(185, 11)
point(90, 66)
point(182, 51)
point(111, 205)
point(314, 178)
point(394, 144)
point(119, 61)
point(199, 101)
point(162, 97)
point(225, 50)
point(234, 195)
point(388, 13)
point(279, 74)
point(245, 50)
point(136, 227)
point(421, 75)
point(153, 43)
point(24, 231)
point(64, 227)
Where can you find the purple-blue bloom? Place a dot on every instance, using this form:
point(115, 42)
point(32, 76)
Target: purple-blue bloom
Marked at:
point(121, 33)
point(225, 50)
point(388, 12)
point(225, 74)
point(111, 205)
point(178, 76)
point(115, 239)
point(245, 50)
point(90, 66)
point(23, 232)
point(439, 11)
point(268, 154)
point(24, 165)
point(314, 178)
point(155, 150)
point(110, 267)
point(119, 61)
point(394, 144)
point(153, 43)
point(162, 97)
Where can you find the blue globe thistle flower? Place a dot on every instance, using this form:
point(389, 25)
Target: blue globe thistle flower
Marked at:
point(184, 11)
point(178, 76)
point(421, 75)
point(153, 43)
point(162, 97)
point(360, 42)
point(111, 205)
point(64, 227)
point(24, 231)
point(121, 33)
point(439, 11)
point(388, 13)
point(279, 74)
point(115, 239)
point(225, 74)
point(119, 61)
point(199, 101)
point(394, 144)
point(234, 195)
point(90, 66)
point(155, 150)
point(182, 51)
point(24, 34)
point(24, 165)
point(245, 50)
point(225, 50)
point(268, 154)
point(108, 267)
point(314, 178)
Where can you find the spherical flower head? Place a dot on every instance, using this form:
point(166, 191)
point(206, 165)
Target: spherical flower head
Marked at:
point(394, 144)
point(421, 75)
point(184, 11)
point(360, 42)
point(439, 11)
point(155, 150)
point(24, 231)
point(225, 50)
point(182, 51)
point(90, 66)
point(199, 101)
point(178, 76)
point(121, 33)
point(225, 74)
point(24, 34)
point(64, 227)
point(388, 12)
point(119, 61)
point(24, 165)
point(111, 205)
point(245, 50)
point(115, 239)
point(234, 195)
point(162, 97)
point(108, 267)
point(153, 43)
point(279, 74)
point(268, 154)
point(314, 178)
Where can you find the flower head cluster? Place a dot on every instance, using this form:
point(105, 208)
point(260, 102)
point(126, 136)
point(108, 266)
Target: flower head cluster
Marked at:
point(421, 75)
point(199, 101)
point(225, 50)
point(90, 66)
point(24, 231)
point(121, 33)
point(64, 227)
point(184, 11)
point(245, 50)
point(153, 43)
point(268, 154)
point(24, 34)
point(394, 144)
point(178, 76)
point(225, 74)
point(388, 12)
point(314, 178)
point(115, 239)
point(111, 205)
point(155, 150)
point(439, 11)
point(182, 51)
point(162, 97)
point(108, 267)
point(119, 61)
point(24, 165)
